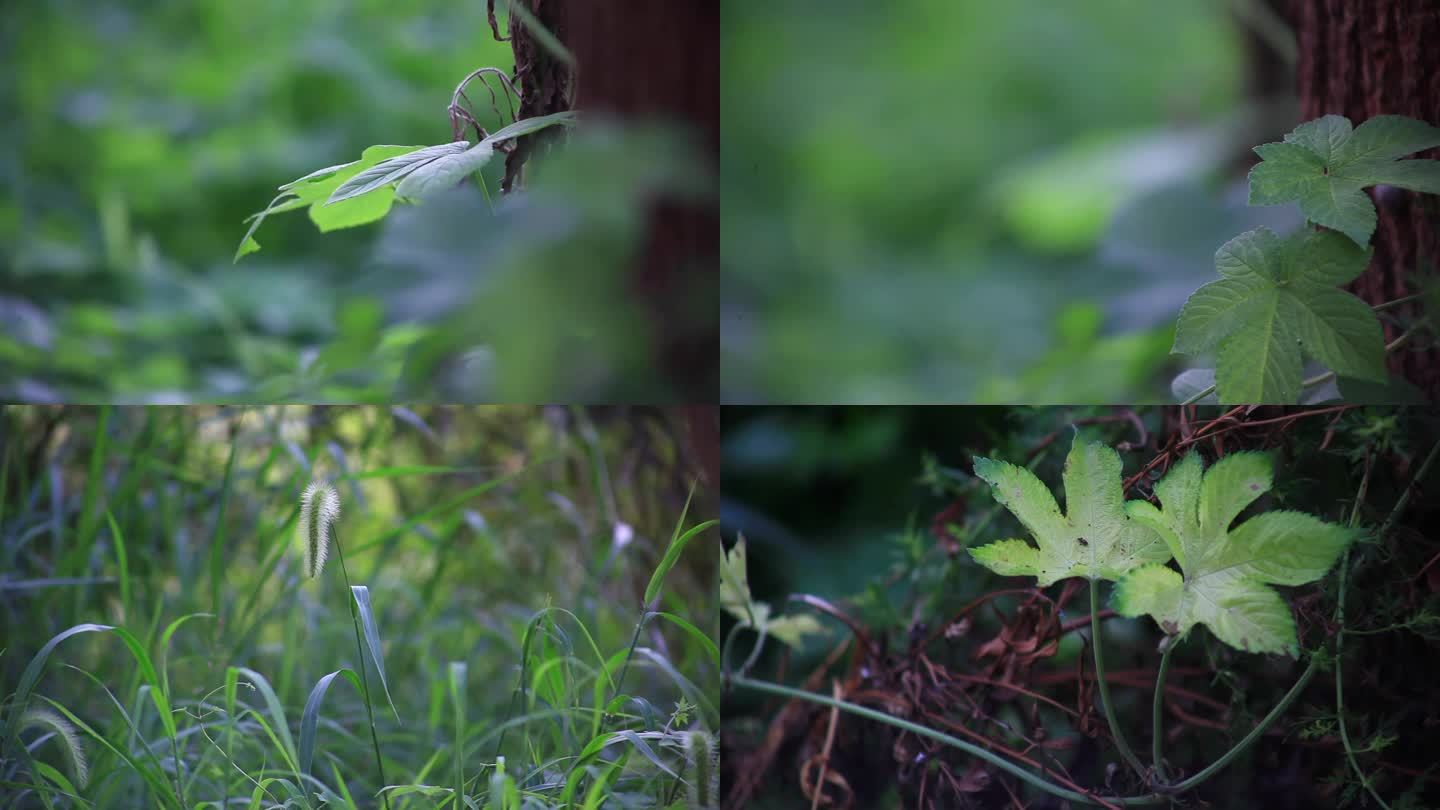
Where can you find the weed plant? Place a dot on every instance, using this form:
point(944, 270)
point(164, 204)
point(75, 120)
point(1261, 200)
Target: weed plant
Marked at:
point(530, 619)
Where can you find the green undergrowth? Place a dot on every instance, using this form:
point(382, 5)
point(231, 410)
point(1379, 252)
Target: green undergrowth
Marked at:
point(531, 625)
point(937, 636)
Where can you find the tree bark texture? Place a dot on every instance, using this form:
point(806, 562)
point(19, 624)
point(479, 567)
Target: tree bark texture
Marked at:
point(646, 60)
point(1360, 59)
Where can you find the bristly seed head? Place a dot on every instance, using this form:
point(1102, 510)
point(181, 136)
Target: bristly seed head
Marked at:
point(319, 509)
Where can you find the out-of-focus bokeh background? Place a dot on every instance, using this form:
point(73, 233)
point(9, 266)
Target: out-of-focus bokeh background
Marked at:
point(135, 137)
point(984, 202)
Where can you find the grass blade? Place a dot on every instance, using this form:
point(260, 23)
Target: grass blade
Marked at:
point(165, 645)
point(32, 674)
point(696, 633)
point(123, 561)
point(678, 539)
point(156, 783)
point(311, 718)
point(372, 639)
point(277, 713)
point(217, 538)
point(94, 484)
point(458, 672)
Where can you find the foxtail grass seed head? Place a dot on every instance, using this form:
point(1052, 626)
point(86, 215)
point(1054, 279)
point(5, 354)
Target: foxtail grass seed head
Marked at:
point(68, 740)
point(702, 769)
point(319, 509)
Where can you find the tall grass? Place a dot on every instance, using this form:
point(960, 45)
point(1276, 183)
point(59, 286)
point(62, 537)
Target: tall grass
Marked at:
point(524, 594)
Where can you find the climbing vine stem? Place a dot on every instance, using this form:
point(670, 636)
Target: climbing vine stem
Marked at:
point(1103, 687)
point(939, 736)
point(1157, 730)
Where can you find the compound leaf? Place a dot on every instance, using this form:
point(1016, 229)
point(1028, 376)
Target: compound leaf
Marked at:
point(1325, 164)
point(444, 172)
point(735, 599)
point(313, 189)
point(1097, 539)
point(1277, 304)
point(528, 125)
point(1227, 573)
point(392, 170)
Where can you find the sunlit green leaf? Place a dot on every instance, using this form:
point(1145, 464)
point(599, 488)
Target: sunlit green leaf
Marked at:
point(1227, 572)
point(1095, 539)
point(1277, 304)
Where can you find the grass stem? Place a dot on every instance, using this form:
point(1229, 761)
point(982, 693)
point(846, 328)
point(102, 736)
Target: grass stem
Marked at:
point(360, 664)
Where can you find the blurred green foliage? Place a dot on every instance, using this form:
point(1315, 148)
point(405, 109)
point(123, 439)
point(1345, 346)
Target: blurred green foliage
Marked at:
point(138, 136)
point(933, 201)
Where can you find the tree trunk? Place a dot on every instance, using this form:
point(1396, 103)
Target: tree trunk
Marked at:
point(660, 60)
point(1360, 59)
point(647, 60)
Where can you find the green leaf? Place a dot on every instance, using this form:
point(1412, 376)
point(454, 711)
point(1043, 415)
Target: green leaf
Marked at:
point(1276, 304)
point(735, 599)
point(444, 172)
point(392, 170)
point(678, 539)
point(279, 731)
point(1227, 572)
point(735, 584)
point(1324, 164)
point(1097, 539)
point(372, 638)
point(459, 670)
point(529, 125)
point(350, 213)
point(314, 188)
point(309, 721)
point(32, 675)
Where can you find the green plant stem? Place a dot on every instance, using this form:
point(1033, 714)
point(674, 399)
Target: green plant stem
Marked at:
point(1390, 519)
point(1389, 347)
point(1157, 732)
point(1255, 734)
point(1404, 499)
point(634, 639)
point(179, 788)
point(1104, 689)
point(1397, 302)
point(1205, 392)
point(1340, 687)
point(360, 664)
point(939, 736)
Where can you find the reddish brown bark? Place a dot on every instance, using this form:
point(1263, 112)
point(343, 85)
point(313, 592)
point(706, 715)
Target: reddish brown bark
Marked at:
point(545, 80)
point(660, 60)
point(647, 60)
point(1360, 59)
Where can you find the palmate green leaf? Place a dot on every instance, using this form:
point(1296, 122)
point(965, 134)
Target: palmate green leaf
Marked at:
point(735, 599)
point(1324, 164)
point(1277, 304)
point(1227, 572)
point(1096, 539)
